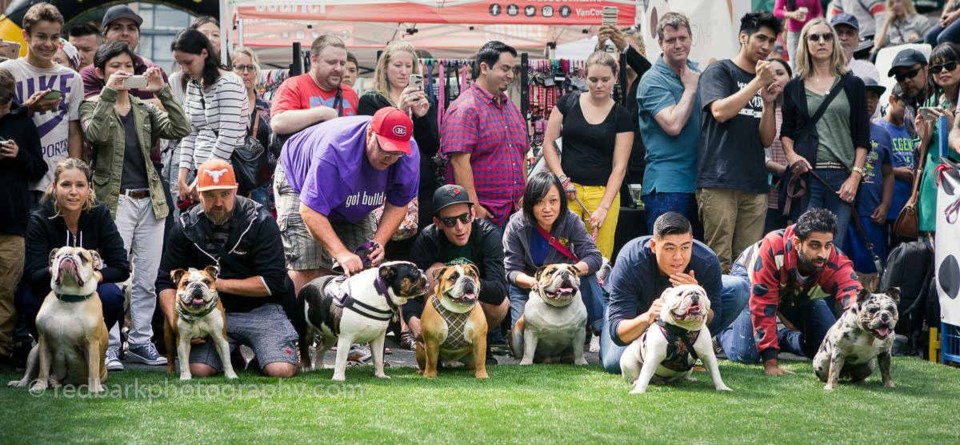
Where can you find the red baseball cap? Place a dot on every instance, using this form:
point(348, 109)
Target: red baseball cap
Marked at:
point(394, 129)
point(215, 174)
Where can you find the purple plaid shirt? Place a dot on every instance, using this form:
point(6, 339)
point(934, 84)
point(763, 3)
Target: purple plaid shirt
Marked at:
point(495, 135)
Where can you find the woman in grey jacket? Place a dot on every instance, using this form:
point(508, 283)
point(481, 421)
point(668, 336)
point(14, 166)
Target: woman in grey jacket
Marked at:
point(527, 246)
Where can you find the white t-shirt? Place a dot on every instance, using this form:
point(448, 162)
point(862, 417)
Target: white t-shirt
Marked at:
point(54, 126)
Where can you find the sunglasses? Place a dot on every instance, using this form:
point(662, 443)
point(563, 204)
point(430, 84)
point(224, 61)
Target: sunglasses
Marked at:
point(949, 66)
point(451, 221)
point(823, 37)
point(242, 68)
point(907, 75)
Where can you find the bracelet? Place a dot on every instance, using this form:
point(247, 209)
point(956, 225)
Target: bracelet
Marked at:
point(859, 170)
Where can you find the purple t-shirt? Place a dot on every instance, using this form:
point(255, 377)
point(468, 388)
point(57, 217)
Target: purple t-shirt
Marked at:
point(327, 165)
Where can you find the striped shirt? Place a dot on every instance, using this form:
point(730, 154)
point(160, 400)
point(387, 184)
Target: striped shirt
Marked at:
point(218, 117)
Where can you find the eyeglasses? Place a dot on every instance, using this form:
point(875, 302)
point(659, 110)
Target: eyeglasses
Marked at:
point(822, 37)
point(907, 75)
point(242, 68)
point(451, 221)
point(949, 66)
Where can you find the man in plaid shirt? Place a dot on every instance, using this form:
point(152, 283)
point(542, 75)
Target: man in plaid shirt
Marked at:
point(484, 137)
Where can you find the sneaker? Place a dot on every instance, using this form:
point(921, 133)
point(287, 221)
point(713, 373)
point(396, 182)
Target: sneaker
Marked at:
point(359, 353)
point(113, 359)
point(146, 354)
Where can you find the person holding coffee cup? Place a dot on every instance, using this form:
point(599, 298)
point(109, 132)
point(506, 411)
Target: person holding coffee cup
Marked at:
point(797, 13)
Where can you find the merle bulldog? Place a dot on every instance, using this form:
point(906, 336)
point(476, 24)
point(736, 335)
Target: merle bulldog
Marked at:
point(342, 310)
point(859, 340)
point(667, 351)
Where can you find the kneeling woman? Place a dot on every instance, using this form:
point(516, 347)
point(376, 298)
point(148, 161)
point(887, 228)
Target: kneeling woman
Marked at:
point(547, 232)
point(70, 216)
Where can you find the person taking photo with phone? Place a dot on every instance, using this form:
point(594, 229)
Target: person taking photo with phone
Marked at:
point(122, 129)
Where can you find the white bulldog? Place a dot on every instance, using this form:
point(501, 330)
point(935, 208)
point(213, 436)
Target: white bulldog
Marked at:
point(664, 350)
point(554, 321)
point(357, 309)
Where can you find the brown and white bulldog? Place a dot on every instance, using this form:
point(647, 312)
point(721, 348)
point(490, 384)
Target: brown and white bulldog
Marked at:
point(554, 321)
point(200, 314)
point(452, 324)
point(73, 336)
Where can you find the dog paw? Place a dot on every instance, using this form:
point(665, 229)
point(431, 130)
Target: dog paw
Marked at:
point(829, 387)
point(580, 361)
point(526, 362)
point(231, 375)
point(381, 376)
point(724, 388)
point(430, 375)
point(17, 384)
point(889, 384)
point(97, 389)
point(482, 375)
point(39, 387)
point(54, 383)
point(185, 377)
point(638, 391)
point(338, 378)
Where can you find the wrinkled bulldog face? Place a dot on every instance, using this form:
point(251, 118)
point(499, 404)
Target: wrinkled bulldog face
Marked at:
point(877, 313)
point(404, 279)
point(686, 306)
point(459, 286)
point(196, 289)
point(72, 270)
point(559, 284)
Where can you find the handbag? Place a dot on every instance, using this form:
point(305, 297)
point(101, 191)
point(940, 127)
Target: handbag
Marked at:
point(791, 197)
point(248, 160)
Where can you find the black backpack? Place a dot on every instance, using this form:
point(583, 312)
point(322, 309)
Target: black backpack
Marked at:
point(910, 267)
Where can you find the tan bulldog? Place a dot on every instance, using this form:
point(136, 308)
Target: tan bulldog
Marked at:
point(200, 314)
point(452, 324)
point(73, 336)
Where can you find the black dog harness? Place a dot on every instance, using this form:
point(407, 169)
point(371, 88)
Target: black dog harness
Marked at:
point(679, 346)
point(456, 324)
point(338, 290)
point(68, 298)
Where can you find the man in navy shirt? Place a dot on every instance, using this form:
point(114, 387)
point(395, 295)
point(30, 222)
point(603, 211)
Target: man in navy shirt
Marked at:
point(649, 265)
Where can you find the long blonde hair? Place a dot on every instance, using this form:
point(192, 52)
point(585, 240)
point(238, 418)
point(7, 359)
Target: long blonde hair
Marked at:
point(888, 20)
point(51, 193)
point(804, 62)
point(380, 82)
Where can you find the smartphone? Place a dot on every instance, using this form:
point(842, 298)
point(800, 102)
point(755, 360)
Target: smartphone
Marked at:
point(53, 94)
point(417, 81)
point(134, 82)
point(610, 15)
point(927, 113)
point(10, 50)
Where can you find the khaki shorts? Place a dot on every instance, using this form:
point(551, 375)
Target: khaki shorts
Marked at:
point(301, 250)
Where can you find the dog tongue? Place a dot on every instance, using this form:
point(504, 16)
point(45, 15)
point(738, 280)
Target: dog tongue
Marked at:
point(883, 332)
point(197, 300)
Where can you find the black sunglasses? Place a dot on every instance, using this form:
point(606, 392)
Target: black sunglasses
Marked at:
point(826, 37)
point(949, 66)
point(906, 75)
point(451, 221)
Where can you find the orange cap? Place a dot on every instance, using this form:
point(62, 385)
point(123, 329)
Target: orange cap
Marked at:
point(216, 174)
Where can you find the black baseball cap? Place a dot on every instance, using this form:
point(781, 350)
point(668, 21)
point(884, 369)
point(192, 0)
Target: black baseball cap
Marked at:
point(873, 85)
point(845, 19)
point(120, 12)
point(906, 59)
point(449, 195)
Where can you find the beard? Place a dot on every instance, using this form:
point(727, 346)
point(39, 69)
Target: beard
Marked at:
point(809, 263)
point(219, 217)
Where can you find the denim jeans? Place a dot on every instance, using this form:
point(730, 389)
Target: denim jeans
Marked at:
point(734, 294)
point(656, 204)
point(821, 198)
point(590, 292)
point(938, 34)
point(813, 319)
point(28, 305)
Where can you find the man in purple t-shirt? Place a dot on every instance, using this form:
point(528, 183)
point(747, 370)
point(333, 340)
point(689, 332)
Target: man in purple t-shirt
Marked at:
point(330, 177)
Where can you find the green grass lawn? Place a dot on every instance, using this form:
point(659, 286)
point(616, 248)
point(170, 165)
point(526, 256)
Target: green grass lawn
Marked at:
point(547, 404)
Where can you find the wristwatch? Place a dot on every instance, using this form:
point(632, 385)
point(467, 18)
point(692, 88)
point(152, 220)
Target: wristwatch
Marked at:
point(859, 170)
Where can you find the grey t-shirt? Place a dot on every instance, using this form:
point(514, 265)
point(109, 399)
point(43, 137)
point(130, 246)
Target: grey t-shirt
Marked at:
point(134, 165)
point(834, 138)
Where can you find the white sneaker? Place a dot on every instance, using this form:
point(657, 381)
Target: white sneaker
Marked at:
point(113, 359)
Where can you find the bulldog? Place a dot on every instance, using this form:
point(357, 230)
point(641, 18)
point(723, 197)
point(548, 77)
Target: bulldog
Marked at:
point(861, 338)
point(554, 321)
point(200, 314)
point(72, 335)
point(452, 324)
point(343, 310)
point(668, 350)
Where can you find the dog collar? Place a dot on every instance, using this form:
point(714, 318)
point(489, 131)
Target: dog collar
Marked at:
point(194, 317)
point(382, 290)
point(69, 298)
